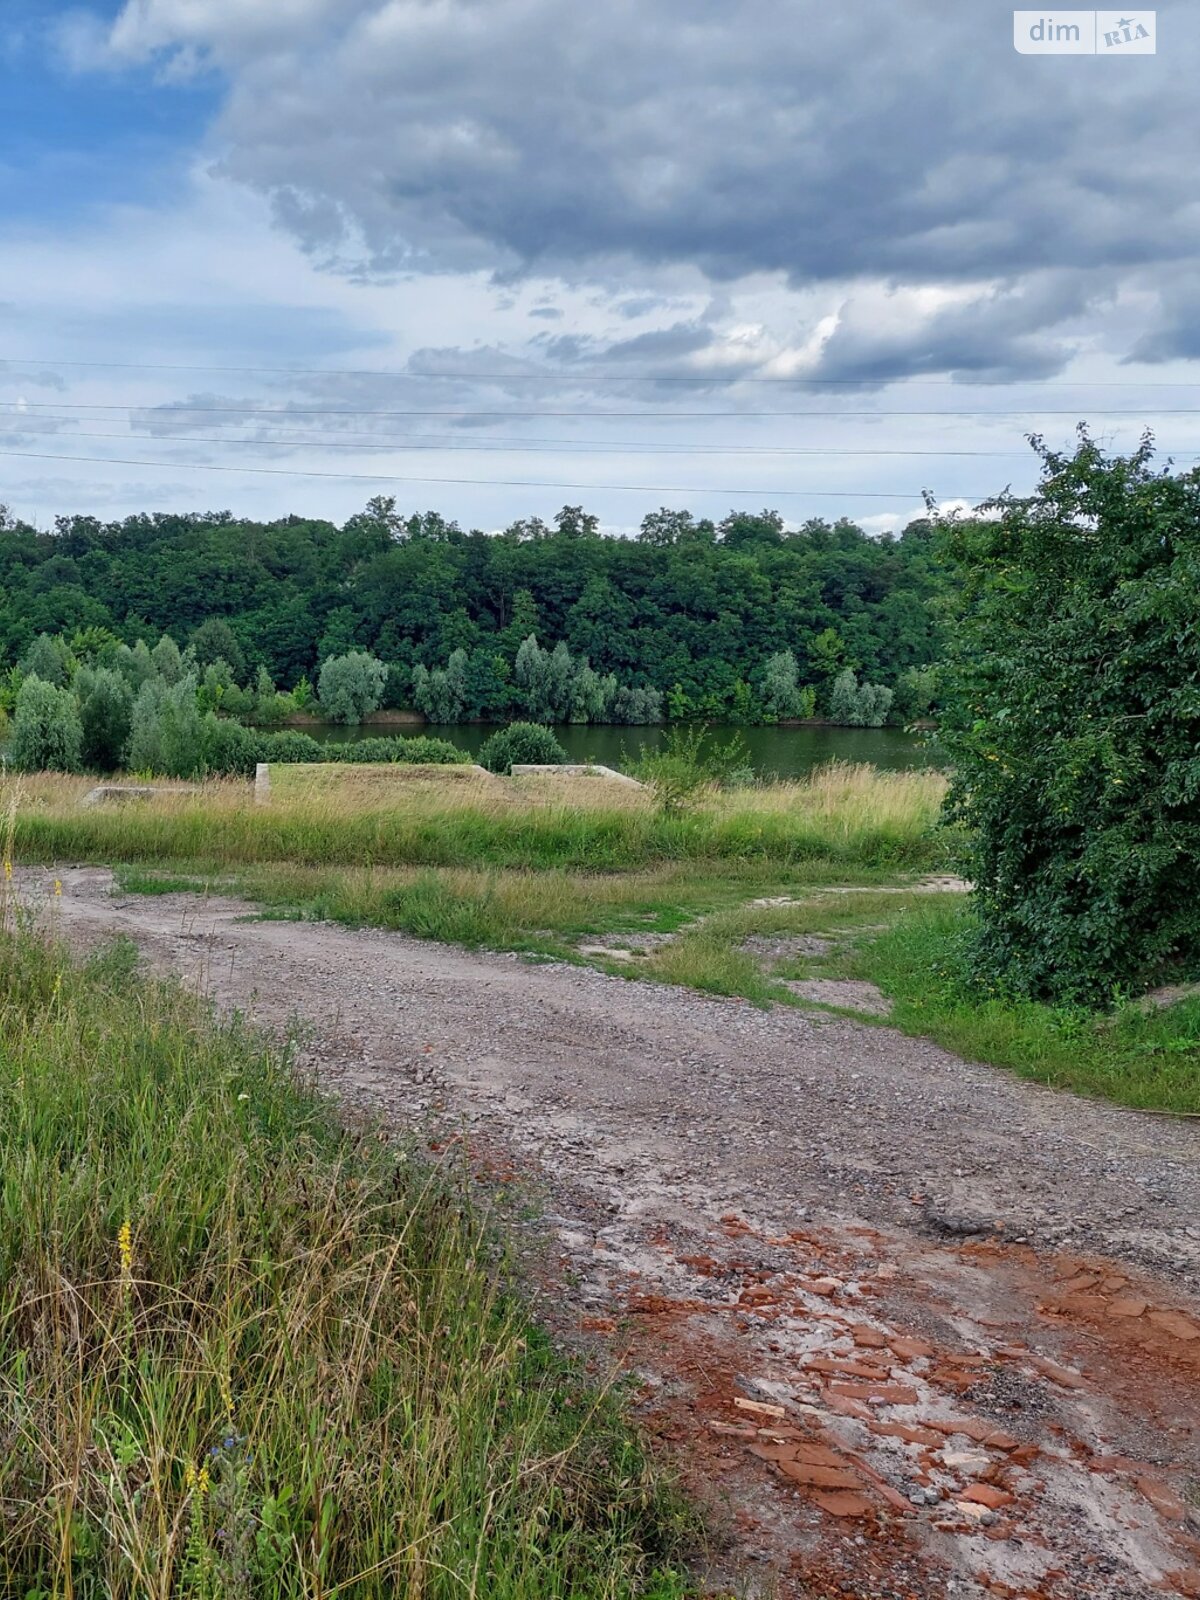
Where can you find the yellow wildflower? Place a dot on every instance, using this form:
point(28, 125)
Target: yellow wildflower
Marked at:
point(58, 888)
point(125, 1247)
point(227, 1395)
point(189, 1476)
point(203, 1481)
point(8, 871)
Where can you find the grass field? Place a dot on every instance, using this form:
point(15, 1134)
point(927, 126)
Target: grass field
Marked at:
point(246, 1352)
point(551, 866)
point(850, 816)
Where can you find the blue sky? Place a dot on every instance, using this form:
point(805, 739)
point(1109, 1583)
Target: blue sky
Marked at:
point(75, 141)
point(518, 253)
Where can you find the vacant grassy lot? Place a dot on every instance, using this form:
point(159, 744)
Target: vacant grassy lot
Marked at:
point(244, 1352)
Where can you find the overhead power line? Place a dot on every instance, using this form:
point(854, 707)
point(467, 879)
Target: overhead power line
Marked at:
point(171, 408)
point(484, 483)
point(588, 377)
point(511, 446)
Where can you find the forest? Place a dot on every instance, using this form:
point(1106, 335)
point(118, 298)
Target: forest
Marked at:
point(688, 618)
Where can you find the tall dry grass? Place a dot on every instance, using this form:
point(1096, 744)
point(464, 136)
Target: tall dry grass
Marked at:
point(849, 815)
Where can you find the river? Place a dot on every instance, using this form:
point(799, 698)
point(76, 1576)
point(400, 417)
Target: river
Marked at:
point(774, 752)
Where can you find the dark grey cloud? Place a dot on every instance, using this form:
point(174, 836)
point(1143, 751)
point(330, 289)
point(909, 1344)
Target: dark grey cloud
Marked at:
point(819, 141)
point(827, 144)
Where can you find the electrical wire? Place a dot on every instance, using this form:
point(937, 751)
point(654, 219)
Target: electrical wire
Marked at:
point(482, 483)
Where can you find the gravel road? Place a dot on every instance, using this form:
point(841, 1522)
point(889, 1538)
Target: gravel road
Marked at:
point(658, 1097)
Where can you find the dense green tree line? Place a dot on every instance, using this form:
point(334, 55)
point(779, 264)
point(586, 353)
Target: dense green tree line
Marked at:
point(699, 613)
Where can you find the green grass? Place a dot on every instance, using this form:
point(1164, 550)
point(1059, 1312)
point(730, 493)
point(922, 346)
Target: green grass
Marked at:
point(244, 1351)
point(1144, 1059)
point(546, 912)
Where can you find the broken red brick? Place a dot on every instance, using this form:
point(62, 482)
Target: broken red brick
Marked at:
point(1057, 1374)
point(842, 1503)
point(884, 1394)
point(845, 1407)
point(841, 1369)
point(819, 1477)
point(734, 1430)
point(1126, 1307)
point(911, 1349)
point(986, 1494)
point(981, 1432)
point(868, 1338)
point(901, 1430)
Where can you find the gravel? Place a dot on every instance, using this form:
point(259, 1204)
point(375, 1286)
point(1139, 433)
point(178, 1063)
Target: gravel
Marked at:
point(659, 1099)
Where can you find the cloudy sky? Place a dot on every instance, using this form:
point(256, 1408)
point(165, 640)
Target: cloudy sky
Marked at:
point(491, 256)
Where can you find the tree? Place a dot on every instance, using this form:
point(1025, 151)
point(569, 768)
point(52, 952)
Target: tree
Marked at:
point(1072, 720)
point(168, 662)
point(350, 687)
point(855, 705)
point(533, 677)
point(105, 714)
point(442, 693)
point(167, 732)
point(214, 640)
point(46, 734)
point(781, 685)
point(48, 659)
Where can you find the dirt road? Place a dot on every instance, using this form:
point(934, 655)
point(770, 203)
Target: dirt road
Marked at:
point(911, 1326)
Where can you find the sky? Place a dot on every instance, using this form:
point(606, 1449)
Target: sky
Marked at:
point(495, 256)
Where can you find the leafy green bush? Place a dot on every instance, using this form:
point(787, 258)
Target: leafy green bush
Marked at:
point(289, 747)
point(1073, 726)
point(47, 736)
point(521, 744)
point(419, 748)
point(230, 750)
point(688, 763)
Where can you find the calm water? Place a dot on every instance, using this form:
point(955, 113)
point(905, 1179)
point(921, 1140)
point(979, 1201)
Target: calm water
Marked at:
point(774, 752)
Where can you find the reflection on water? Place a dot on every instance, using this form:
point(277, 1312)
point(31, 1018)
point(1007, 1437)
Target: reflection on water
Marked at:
point(774, 752)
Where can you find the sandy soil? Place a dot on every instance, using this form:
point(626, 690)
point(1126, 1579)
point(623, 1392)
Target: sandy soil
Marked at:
point(909, 1326)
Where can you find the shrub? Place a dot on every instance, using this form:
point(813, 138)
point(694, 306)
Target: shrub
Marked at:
point(521, 744)
point(105, 713)
point(230, 750)
point(419, 748)
point(47, 736)
point(1071, 724)
point(350, 687)
point(290, 747)
point(688, 763)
